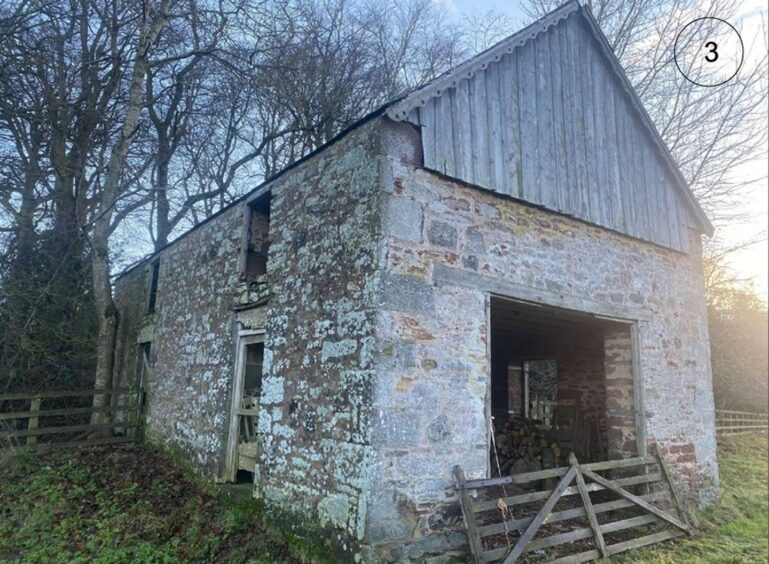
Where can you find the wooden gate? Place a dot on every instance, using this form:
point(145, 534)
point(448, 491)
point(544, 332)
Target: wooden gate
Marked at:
point(503, 515)
point(62, 418)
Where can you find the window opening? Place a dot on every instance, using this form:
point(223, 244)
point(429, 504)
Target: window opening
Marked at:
point(258, 244)
point(153, 291)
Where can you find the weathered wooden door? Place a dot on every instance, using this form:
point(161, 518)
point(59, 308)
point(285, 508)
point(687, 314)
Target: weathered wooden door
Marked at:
point(242, 447)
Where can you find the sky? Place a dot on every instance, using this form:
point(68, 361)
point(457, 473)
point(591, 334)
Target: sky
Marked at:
point(467, 6)
point(751, 263)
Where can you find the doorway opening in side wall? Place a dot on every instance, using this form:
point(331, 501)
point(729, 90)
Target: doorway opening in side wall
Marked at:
point(243, 444)
point(561, 382)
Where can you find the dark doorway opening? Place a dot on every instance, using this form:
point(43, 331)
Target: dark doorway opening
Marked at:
point(561, 382)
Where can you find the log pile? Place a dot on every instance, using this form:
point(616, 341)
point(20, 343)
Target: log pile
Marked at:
point(524, 446)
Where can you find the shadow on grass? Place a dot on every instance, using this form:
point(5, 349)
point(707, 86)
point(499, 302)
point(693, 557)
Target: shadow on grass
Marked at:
point(132, 503)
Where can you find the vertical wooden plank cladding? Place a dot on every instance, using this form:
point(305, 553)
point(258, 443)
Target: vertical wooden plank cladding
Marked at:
point(510, 127)
point(638, 209)
point(627, 186)
point(527, 98)
point(444, 134)
point(650, 183)
point(665, 192)
point(642, 191)
point(598, 82)
point(545, 137)
point(550, 123)
point(672, 217)
point(663, 233)
point(658, 198)
point(577, 119)
point(463, 149)
point(660, 230)
point(478, 130)
point(497, 176)
point(613, 157)
point(559, 123)
point(588, 107)
point(427, 115)
point(683, 227)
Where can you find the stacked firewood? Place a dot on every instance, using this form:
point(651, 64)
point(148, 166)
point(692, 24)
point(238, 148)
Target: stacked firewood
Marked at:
point(524, 446)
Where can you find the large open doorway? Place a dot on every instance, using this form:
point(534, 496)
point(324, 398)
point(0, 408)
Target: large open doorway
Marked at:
point(561, 382)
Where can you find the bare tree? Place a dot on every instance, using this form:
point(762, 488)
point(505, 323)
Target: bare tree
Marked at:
point(58, 92)
point(153, 19)
point(409, 43)
point(481, 31)
point(339, 60)
point(296, 73)
point(116, 114)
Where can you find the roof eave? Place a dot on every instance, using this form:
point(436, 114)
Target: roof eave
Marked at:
point(400, 110)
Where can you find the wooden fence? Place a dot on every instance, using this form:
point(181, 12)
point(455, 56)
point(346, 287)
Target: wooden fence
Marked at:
point(740, 422)
point(63, 418)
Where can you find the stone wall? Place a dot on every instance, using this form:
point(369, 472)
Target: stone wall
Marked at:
point(316, 390)
point(621, 434)
point(582, 379)
point(192, 339)
point(134, 324)
point(448, 246)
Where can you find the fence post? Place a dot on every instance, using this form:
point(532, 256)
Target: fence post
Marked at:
point(32, 422)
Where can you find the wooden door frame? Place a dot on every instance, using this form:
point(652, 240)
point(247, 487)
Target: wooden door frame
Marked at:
point(245, 338)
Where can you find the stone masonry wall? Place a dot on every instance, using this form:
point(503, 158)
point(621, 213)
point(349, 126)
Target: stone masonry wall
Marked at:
point(192, 339)
point(131, 302)
point(316, 390)
point(447, 246)
point(619, 393)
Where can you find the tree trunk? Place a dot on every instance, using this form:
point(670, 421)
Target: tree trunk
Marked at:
point(102, 229)
point(163, 210)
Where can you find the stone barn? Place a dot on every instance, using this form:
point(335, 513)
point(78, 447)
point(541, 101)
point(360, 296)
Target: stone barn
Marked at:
point(511, 242)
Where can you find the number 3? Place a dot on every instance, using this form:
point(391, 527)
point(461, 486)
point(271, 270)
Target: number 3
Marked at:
point(712, 45)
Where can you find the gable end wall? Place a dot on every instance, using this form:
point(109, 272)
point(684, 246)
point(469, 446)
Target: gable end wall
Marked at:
point(550, 123)
point(447, 247)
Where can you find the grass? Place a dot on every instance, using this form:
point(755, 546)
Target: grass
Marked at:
point(736, 530)
point(130, 504)
point(136, 504)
